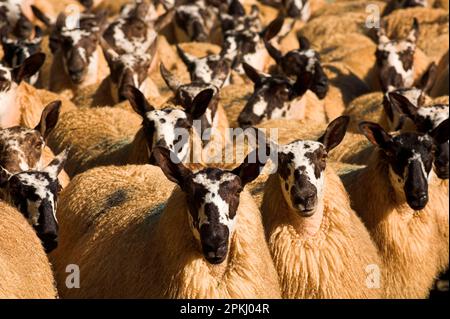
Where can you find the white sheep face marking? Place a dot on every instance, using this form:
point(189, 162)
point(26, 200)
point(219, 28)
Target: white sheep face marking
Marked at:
point(301, 166)
point(396, 62)
point(213, 201)
point(171, 130)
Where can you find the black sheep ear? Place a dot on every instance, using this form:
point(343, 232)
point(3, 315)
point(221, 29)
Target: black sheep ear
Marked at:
point(375, 134)
point(252, 166)
point(171, 166)
point(252, 73)
point(429, 78)
point(304, 43)
point(200, 103)
point(137, 100)
point(169, 78)
point(29, 67)
point(335, 132)
point(49, 118)
point(440, 134)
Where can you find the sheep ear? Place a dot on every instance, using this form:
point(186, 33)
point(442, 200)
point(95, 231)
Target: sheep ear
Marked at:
point(304, 43)
point(200, 103)
point(375, 134)
point(429, 78)
point(440, 134)
point(187, 59)
point(273, 28)
point(38, 34)
point(5, 175)
point(29, 67)
point(171, 166)
point(169, 78)
point(414, 33)
point(49, 118)
point(404, 104)
point(137, 100)
point(335, 133)
point(236, 8)
point(164, 19)
point(251, 72)
point(57, 164)
point(252, 166)
point(41, 16)
point(273, 52)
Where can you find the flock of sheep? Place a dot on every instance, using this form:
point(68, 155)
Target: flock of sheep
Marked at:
point(101, 197)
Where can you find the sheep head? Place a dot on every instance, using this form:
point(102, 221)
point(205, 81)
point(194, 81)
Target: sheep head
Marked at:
point(21, 147)
point(427, 119)
point(304, 60)
point(410, 159)
point(129, 46)
point(395, 59)
point(301, 166)
point(16, 50)
point(212, 198)
point(35, 194)
point(273, 97)
point(169, 127)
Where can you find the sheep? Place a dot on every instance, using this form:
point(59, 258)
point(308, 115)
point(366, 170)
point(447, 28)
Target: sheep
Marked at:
point(214, 125)
point(193, 262)
point(115, 136)
point(277, 97)
point(25, 271)
point(320, 248)
point(16, 50)
point(34, 193)
point(130, 46)
point(13, 101)
point(399, 208)
point(12, 17)
point(434, 29)
point(75, 45)
point(397, 62)
point(24, 148)
point(196, 21)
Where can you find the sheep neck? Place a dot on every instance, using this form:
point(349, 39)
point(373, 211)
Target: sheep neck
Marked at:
point(9, 110)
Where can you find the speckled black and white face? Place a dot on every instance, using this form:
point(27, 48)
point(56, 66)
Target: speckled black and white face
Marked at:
point(427, 119)
point(185, 94)
point(129, 48)
point(195, 19)
point(301, 166)
point(304, 60)
point(395, 59)
point(273, 97)
point(78, 42)
point(212, 198)
point(12, 18)
point(211, 69)
point(410, 157)
point(35, 193)
point(16, 51)
point(169, 127)
point(21, 147)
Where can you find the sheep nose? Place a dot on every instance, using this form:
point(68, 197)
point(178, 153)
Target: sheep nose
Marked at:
point(76, 75)
point(245, 121)
point(49, 241)
point(419, 201)
point(305, 201)
point(215, 255)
